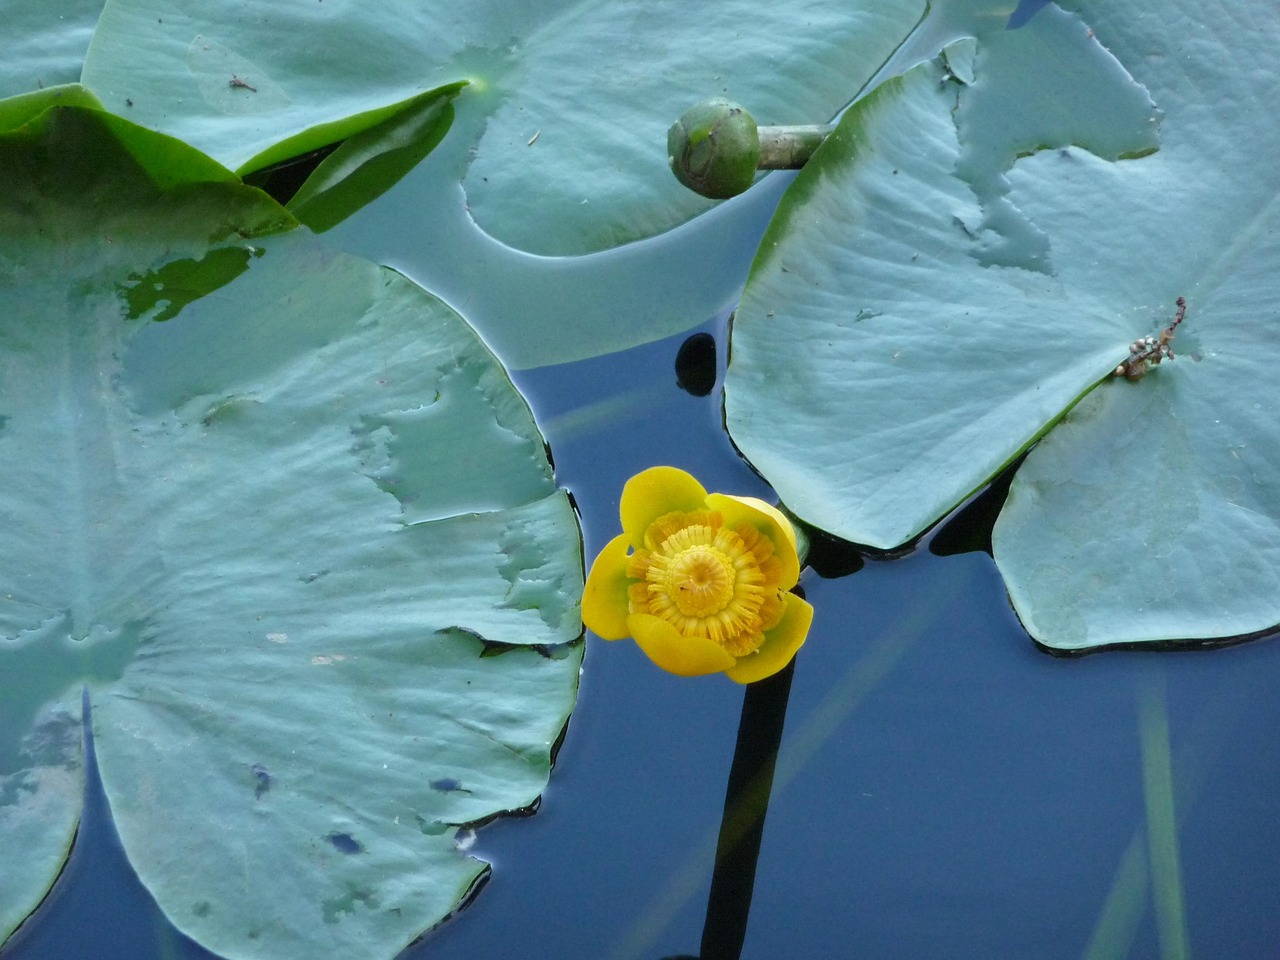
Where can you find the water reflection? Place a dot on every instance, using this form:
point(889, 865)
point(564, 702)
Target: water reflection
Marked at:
point(696, 364)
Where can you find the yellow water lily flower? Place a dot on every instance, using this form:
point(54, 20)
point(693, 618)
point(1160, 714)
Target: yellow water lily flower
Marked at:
point(699, 580)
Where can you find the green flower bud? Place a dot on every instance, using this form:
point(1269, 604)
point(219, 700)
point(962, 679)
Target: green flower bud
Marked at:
point(714, 148)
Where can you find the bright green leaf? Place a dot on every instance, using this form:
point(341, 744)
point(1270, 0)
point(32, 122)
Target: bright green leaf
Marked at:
point(17, 110)
point(369, 163)
point(318, 629)
point(917, 317)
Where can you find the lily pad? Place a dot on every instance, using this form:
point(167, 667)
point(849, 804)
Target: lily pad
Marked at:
point(231, 79)
point(919, 315)
point(254, 532)
point(43, 44)
point(254, 83)
point(573, 159)
point(580, 93)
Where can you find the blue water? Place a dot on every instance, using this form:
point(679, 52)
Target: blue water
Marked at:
point(944, 789)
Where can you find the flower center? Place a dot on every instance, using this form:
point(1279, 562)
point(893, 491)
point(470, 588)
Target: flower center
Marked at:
point(700, 581)
point(705, 579)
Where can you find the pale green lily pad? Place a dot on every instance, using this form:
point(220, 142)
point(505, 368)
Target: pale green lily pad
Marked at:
point(1164, 522)
point(232, 79)
point(574, 157)
point(874, 331)
point(253, 82)
point(915, 321)
point(593, 85)
point(42, 44)
point(318, 633)
point(224, 77)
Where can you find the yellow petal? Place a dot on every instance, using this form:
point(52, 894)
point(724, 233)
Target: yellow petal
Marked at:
point(656, 492)
point(780, 644)
point(771, 522)
point(783, 520)
point(604, 598)
point(673, 651)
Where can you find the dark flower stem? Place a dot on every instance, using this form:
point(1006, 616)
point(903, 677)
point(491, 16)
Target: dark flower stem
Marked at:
point(764, 710)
